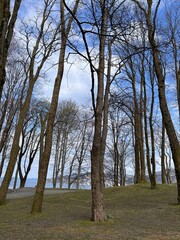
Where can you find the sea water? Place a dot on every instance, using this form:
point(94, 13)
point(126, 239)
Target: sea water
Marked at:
point(32, 182)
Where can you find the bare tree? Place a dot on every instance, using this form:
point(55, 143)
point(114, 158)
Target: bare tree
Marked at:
point(119, 132)
point(14, 89)
point(102, 32)
point(82, 148)
point(65, 25)
point(29, 144)
point(151, 22)
point(65, 137)
point(42, 49)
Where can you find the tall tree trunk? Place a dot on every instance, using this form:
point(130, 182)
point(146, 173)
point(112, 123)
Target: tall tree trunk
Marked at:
point(146, 130)
point(33, 76)
point(137, 130)
point(141, 134)
point(42, 133)
point(153, 160)
point(38, 198)
point(116, 165)
point(122, 172)
point(137, 142)
point(163, 175)
point(65, 29)
point(98, 213)
point(173, 139)
point(105, 112)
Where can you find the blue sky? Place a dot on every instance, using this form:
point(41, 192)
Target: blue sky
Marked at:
point(76, 82)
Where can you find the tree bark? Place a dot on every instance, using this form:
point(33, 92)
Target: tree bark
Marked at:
point(173, 139)
point(163, 175)
point(65, 29)
point(98, 212)
point(153, 160)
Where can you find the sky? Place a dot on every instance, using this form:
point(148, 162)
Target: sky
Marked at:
point(76, 82)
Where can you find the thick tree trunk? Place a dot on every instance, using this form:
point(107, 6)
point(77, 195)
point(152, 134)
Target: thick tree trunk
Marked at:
point(38, 198)
point(98, 213)
point(42, 133)
point(105, 111)
point(65, 29)
point(174, 142)
point(173, 139)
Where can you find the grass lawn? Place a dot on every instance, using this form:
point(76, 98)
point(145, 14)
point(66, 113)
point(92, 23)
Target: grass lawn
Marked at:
point(135, 212)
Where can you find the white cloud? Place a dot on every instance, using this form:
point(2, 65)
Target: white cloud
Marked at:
point(76, 83)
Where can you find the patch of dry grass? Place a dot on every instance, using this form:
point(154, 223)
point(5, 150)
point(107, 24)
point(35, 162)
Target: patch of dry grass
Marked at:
point(135, 212)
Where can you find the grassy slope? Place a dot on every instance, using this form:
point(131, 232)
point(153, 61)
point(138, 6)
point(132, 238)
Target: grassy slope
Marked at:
point(135, 212)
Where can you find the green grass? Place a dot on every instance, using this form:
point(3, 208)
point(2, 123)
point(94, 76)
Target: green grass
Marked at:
point(135, 212)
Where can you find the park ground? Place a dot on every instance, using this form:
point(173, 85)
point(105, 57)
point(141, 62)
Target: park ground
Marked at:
point(134, 213)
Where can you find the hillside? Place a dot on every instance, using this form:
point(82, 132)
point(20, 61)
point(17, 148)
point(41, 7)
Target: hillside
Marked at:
point(134, 212)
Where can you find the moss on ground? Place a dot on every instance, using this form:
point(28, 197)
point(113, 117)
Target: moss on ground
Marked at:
point(134, 212)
